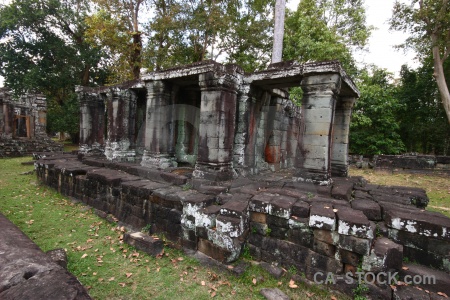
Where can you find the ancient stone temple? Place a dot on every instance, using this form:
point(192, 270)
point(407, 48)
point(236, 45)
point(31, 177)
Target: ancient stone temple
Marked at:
point(225, 122)
point(23, 124)
point(159, 153)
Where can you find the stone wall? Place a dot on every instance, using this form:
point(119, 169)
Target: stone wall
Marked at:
point(404, 163)
point(23, 125)
point(340, 229)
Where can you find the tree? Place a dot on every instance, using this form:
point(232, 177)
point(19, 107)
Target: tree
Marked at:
point(423, 123)
point(428, 23)
point(186, 31)
point(278, 32)
point(374, 128)
point(42, 48)
point(326, 30)
point(115, 28)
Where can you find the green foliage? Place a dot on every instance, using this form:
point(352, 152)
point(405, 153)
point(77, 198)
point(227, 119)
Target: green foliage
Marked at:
point(146, 228)
point(423, 124)
point(374, 128)
point(428, 24)
point(64, 117)
point(326, 30)
point(184, 32)
point(43, 48)
point(246, 253)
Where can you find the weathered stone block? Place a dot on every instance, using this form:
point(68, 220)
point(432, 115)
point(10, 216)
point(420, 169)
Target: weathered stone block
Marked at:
point(324, 248)
point(258, 217)
point(234, 227)
point(354, 244)
point(235, 208)
point(384, 256)
point(281, 206)
point(300, 209)
point(303, 237)
point(143, 242)
point(322, 217)
point(213, 251)
point(349, 258)
point(353, 222)
point(426, 223)
point(370, 208)
point(343, 190)
point(326, 236)
point(261, 203)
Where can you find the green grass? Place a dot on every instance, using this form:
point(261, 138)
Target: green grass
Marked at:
point(437, 186)
point(111, 269)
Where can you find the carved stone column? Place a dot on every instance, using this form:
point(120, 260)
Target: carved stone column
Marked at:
point(92, 121)
point(119, 106)
point(216, 128)
point(319, 100)
point(341, 128)
point(159, 132)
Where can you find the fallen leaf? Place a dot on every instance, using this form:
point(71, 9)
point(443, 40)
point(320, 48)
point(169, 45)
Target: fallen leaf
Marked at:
point(111, 279)
point(213, 294)
point(89, 240)
point(100, 279)
point(84, 255)
point(405, 268)
point(122, 284)
point(280, 283)
point(95, 273)
point(309, 294)
point(254, 280)
point(442, 294)
point(333, 298)
point(180, 258)
point(157, 269)
point(203, 283)
point(128, 274)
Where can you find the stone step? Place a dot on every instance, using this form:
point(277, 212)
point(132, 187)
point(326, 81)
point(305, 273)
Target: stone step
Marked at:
point(150, 245)
point(430, 279)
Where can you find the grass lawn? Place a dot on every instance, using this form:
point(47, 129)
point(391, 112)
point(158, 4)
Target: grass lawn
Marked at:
point(437, 186)
point(111, 269)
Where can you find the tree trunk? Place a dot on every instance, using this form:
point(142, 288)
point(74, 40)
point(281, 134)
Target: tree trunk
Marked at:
point(278, 31)
point(440, 80)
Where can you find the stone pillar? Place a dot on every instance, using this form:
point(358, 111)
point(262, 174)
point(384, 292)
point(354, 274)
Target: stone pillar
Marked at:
point(341, 128)
point(216, 128)
point(159, 131)
point(318, 104)
point(120, 104)
point(92, 121)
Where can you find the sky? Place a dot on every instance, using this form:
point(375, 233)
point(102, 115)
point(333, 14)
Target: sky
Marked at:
point(380, 48)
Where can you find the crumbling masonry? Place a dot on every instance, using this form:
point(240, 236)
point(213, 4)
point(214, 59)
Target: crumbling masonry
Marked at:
point(224, 122)
point(23, 125)
point(219, 161)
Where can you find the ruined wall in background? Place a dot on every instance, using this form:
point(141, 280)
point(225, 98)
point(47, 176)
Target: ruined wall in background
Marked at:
point(23, 123)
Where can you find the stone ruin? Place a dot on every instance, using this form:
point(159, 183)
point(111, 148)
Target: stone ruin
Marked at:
point(221, 162)
point(224, 122)
point(23, 125)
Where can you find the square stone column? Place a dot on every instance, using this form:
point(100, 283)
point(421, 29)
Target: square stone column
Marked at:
point(216, 128)
point(341, 129)
point(318, 104)
point(92, 121)
point(120, 104)
point(159, 131)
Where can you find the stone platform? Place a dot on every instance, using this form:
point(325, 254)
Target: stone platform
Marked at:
point(342, 228)
point(28, 273)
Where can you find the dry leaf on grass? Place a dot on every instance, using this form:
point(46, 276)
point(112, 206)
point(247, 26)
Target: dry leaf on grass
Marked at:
point(128, 275)
point(292, 284)
point(84, 255)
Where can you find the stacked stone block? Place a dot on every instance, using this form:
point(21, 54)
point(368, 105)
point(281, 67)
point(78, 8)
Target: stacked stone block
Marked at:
point(276, 221)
